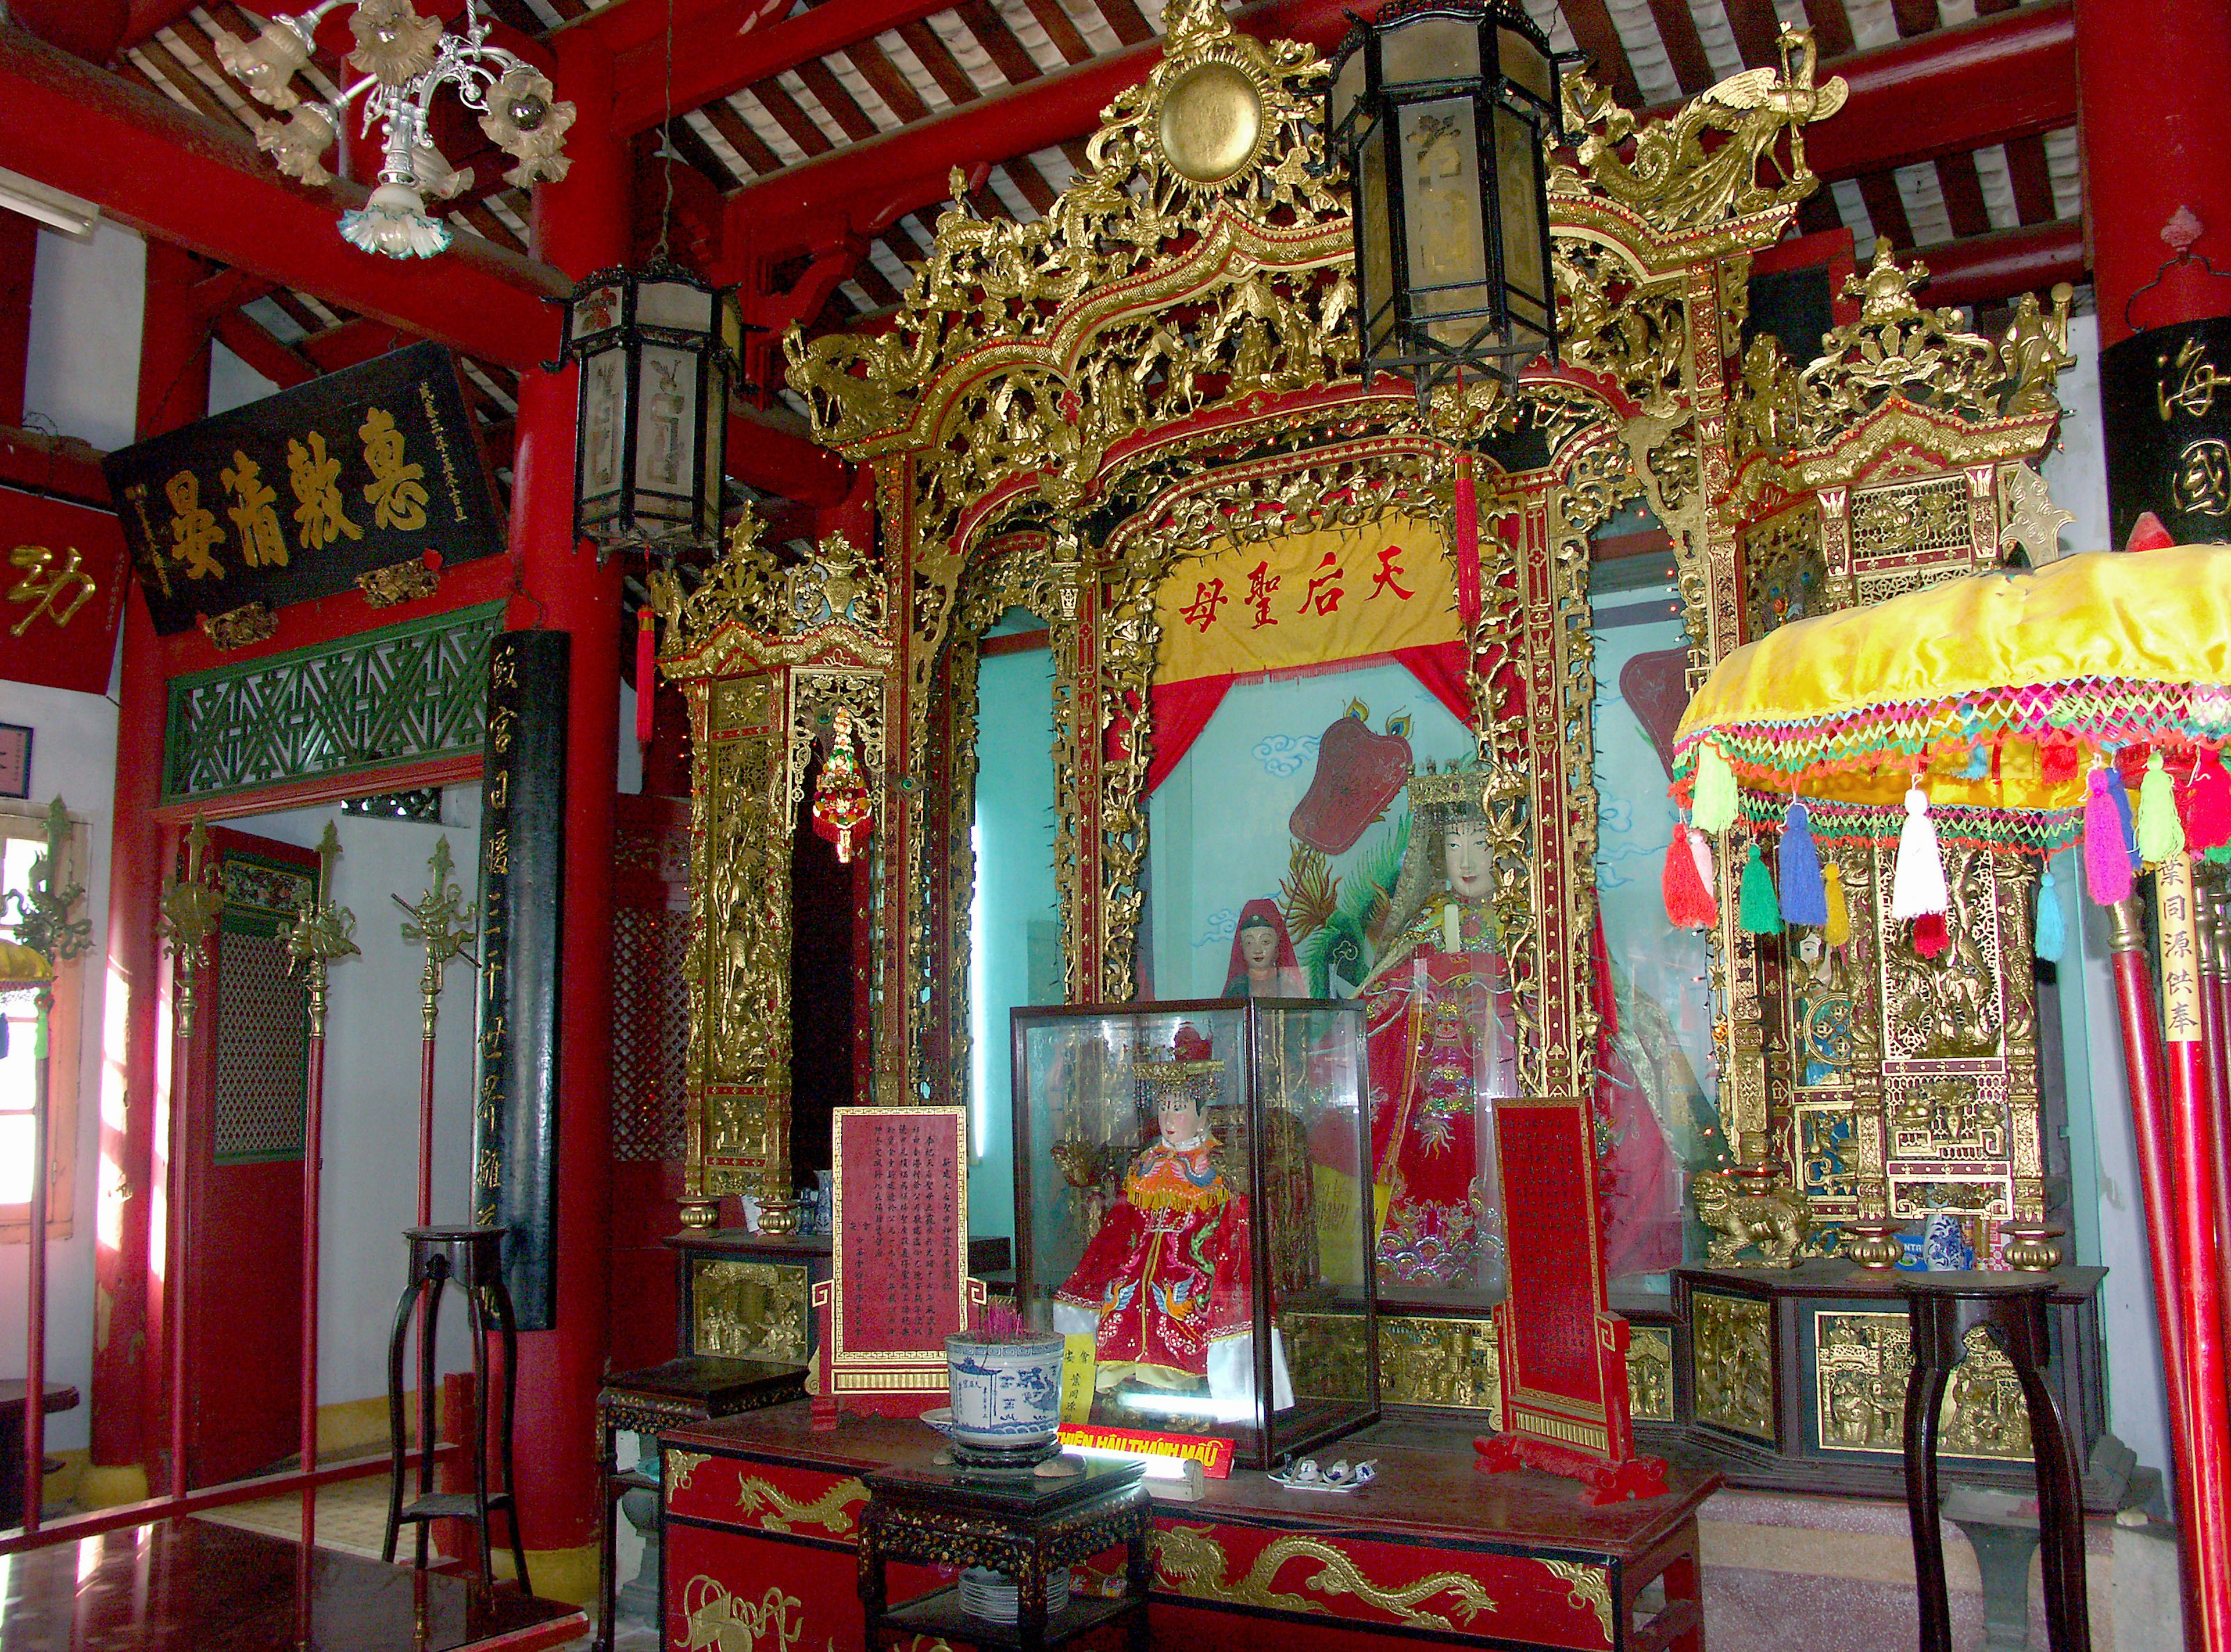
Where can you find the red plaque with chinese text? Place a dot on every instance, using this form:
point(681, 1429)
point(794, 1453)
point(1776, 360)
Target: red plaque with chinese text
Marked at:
point(899, 1283)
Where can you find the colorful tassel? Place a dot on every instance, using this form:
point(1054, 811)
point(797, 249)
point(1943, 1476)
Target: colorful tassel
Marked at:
point(2106, 857)
point(2207, 800)
point(1929, 935)
point(1688, 903)
point(2121, 795)
point(2056, 762)
point(1803, 900)
point(2160, 834)
point(2051, 928)
point(1838, 925)
point(1713, 809)
point(1760, 913)
point(1918, 880)
point(1979, 764)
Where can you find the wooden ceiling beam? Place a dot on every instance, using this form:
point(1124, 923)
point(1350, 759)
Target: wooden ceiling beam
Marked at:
point(717, 53)
point(1595, 33)
point(1684, 49)
point(1757, 29)
point(1985, 269)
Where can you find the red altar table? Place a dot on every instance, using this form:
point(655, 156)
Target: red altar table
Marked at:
point(763, 1519)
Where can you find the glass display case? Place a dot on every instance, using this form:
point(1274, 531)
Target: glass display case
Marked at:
point(1193, 1209)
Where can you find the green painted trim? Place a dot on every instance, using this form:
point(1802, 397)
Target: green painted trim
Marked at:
point(483, 621)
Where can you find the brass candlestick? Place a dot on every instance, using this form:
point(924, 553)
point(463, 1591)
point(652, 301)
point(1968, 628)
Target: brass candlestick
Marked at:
point(191, 908)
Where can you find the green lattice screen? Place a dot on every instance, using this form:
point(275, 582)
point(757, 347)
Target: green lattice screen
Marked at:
point(403, 693)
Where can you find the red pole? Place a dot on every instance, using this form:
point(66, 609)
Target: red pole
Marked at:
point(35, 1323)
point(2143, 1062)
point(313, 1113)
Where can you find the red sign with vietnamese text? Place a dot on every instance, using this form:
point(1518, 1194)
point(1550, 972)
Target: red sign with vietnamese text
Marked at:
point(63, 588)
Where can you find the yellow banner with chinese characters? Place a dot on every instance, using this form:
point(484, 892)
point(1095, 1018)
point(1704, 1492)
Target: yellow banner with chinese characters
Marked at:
point(1306, 599)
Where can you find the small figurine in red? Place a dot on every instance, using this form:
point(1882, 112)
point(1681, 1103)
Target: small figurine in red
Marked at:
point(1163, 1287)
point(1263, 961)
point(1440, 1034)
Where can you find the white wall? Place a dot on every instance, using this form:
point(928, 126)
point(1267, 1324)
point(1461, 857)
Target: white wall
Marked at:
point(82, 378)
point(370, 1178)
point(73, 754)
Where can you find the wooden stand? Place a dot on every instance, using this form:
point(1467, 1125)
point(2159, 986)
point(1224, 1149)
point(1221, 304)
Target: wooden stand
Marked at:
point(1026, 1528)
point(474, 1258)
point(1945, 1308)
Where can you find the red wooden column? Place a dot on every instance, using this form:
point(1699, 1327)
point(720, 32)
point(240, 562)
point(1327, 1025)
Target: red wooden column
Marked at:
point(2156, 127)
point(129, 1370)
point(580, 225)
point(19, 252)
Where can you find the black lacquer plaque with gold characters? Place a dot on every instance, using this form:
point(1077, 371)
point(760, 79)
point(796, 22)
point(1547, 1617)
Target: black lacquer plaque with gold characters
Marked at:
point(2167, 392)
point(291, 498)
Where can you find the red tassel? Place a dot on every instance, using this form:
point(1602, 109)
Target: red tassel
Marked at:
point(646, 672)
point(1929, 935)
point(2207, 800)
point(1467, 506)
point(2057, 762)
point(2147, 533)
point(2106, 845)
point(1688, 903)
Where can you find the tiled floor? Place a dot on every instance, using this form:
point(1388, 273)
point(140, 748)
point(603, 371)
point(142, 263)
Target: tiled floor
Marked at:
point(351, 1516)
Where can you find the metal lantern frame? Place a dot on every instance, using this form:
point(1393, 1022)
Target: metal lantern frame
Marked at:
point(607, 321)
point(1434, 331)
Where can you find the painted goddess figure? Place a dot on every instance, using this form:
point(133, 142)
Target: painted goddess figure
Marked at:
point(1163, 1287)
point(1441, 1042)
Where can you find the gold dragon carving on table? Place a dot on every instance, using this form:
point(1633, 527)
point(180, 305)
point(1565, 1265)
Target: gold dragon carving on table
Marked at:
point(831, 1512)
point(1192, 1561)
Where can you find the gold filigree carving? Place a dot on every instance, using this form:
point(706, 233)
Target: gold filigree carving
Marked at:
point(1862, 1364)
point(398, 582)
point(1650, 1373)
point(749, 1310)
point(1193, 1561)
point(1669, 172)
point(1587, 1587)
point(712, 1617)
point(239, 628)
point(1731, 1342)
point(680, 1465)
point(830, 1511)
point(1772, 1218)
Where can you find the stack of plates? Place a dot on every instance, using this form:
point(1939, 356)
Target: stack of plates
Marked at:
point(992, 1597)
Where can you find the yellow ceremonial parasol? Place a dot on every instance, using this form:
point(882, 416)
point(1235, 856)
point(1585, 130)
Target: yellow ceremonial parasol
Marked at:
point(2011, 711)
point(21, 967)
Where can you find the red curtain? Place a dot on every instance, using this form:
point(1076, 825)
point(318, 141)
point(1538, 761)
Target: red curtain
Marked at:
point(1440, 668)
point(1181, 711)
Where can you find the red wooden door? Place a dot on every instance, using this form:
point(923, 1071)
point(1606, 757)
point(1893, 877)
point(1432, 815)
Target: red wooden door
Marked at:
point(243, 1101)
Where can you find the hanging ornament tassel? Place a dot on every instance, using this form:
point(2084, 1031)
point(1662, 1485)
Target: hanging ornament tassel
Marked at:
point(1929, 935)
point(2051, 928)
point(1838, 923)
point(646, 673)
point(1918, 880)
point(2127, 816)
point(1803, 899)
point(2107, 850)
point(1688, 903)
point(2056, 762)
point(1713, 809)
point(2160, 834)
point(2207, 800)
point(1760, 913)
point(1467, 530)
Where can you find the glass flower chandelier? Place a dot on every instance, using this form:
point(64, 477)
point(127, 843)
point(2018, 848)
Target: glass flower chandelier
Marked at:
point(406, 59)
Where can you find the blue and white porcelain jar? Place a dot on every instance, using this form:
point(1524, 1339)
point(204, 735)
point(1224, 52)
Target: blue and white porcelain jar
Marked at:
point(1007, 1391)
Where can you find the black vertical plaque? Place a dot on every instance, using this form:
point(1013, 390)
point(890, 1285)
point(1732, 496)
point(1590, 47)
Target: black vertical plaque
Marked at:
point(523, 924)
point(2166, 396)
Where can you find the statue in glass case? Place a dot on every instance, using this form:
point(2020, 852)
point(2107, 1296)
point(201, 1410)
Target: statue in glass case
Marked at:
point(1164, 1285)
point(1440, 1034)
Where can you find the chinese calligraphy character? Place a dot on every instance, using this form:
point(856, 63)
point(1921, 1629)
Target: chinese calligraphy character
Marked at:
point(2203, 484)
point(498, 853)
point(1390, 570)
point(316, 481)
point(1317, 596)
point(487, 1172)
point(498, 794)
point(1260, 584)
point(194, 531)
point(2196, 391)
point(1207, 598)
point(398, 492)
point(42, 585)
point(501, 722)
point(263, 541)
